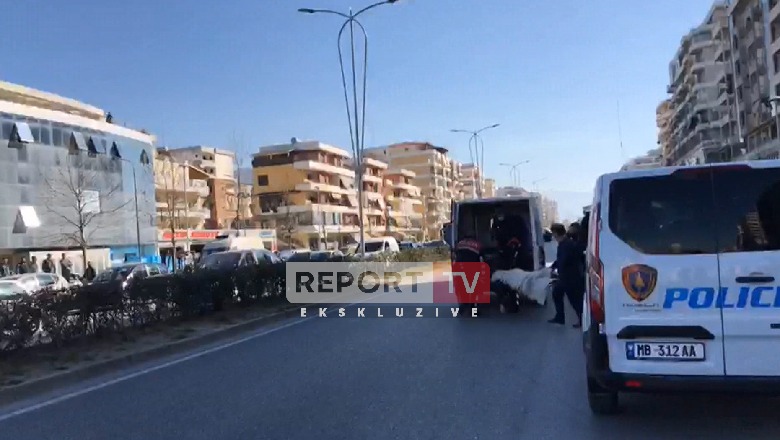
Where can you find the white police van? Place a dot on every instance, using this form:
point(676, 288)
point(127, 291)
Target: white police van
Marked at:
point(684, 281)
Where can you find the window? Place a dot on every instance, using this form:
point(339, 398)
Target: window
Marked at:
point(45, 279)
point(154, 269)
point(262, 180)
point(45, 136)
point(664, 215)
point(21, 133)
point(77, 142)
point(144, 157)
point(115, 151)
point(749, 214)
point(94, 146)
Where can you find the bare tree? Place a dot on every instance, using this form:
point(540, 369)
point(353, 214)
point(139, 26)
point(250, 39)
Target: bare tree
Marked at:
point(242, 197)
point(166, 177)
point(83, 194)
point(288, 222)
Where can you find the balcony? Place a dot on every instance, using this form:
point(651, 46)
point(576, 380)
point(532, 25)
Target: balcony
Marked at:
point(310, 165)
point(182, 212)
point(327, 229)
point(323, 187)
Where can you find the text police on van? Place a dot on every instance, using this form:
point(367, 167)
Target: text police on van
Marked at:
point(724, 297)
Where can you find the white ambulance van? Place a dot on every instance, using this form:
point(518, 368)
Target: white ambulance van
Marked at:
point(684, 281)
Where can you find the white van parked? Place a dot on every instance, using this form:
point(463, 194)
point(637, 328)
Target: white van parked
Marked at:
point(379, 245)
point(232, 243)
point(684, 281)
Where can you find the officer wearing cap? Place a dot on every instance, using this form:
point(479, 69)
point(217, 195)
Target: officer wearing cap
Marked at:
point(467, 250)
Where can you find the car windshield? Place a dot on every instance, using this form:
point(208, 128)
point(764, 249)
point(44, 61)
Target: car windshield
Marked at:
point(299, 256)
point(220, 261)
point(113, 274)
point(374, 246)
point(8, 288)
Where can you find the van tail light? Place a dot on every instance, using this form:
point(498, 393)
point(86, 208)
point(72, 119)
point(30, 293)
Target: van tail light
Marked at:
point(596, 269)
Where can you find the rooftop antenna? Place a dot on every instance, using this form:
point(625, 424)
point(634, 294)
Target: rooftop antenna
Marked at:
point(620, 133)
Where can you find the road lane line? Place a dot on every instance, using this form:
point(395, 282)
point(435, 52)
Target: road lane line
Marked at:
point(91, 388)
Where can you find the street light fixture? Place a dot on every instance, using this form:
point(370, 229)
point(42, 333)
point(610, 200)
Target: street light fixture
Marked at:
point(135, 197)
point(357, 121)
point(513, 171)
point(478, 153)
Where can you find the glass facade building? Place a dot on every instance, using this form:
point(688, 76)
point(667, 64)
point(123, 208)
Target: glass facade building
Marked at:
point(61, 180)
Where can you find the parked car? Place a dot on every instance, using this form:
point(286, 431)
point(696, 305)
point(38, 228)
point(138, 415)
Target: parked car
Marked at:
point(408, 245)
point(287, 253)
point(31, 283)
point(230, 260)
point(315, 256)
point(118, 278)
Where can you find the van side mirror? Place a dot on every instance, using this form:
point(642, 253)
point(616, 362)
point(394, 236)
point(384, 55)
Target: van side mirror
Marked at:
point(547, 237)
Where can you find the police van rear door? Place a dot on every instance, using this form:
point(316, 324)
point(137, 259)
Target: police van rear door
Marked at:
point(748, 227)
point(659, 266)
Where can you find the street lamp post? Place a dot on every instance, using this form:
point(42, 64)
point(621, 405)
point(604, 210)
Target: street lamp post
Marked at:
point(478, 152)
point(513, 171)
point(356, 116)
point(135, 197)
point(535, 183)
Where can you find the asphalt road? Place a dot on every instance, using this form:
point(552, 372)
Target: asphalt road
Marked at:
point(493, 377)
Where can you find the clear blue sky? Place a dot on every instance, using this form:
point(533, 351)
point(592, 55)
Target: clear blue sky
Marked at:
point(195, 71)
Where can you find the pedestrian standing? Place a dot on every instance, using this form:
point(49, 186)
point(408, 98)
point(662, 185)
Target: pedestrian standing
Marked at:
point(571, 281)
point(5, 268)
point(66, 266)
point(89, 272)
point(47, 265)
point(33, 266)
point(22, 266)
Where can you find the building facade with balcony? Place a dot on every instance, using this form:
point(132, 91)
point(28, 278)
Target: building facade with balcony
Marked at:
point(58, 154)
point(229, 205)
point(490, 188)
point(217, 162)
point(405, 208)
point(436, 174)
point(652, 159)
point(755, 40)
point(663, 121)
point(698, 122)
point(471, 181)
point(183, 198)
point(305, 190)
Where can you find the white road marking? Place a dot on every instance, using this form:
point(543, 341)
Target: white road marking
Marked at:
point(135, 374)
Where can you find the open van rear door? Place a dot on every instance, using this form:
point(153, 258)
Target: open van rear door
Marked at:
point(747, 199)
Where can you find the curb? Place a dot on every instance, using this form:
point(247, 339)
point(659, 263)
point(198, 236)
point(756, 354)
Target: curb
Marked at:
point(66, 378)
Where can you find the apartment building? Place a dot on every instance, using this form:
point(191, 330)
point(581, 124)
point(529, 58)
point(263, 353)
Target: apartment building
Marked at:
point(549, 211)
point(374, 204)
point(217, 162)
point(663, 120)
point(702, 126)
point(182, 194)
point(437, 176)
point(305, 190)
point(651, 159)
point(229, 205)
point(755, 37)
point(471, 181)
point(490, 188)
point(405, 208)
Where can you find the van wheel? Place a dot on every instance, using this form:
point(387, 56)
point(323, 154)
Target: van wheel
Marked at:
point(602, 401)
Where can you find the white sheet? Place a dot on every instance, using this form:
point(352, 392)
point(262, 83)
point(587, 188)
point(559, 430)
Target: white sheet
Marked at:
point(532, 285)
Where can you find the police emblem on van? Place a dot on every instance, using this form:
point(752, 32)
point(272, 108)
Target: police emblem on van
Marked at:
point(639, 281)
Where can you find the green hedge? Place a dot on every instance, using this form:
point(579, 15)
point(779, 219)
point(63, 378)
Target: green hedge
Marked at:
point(91, 311)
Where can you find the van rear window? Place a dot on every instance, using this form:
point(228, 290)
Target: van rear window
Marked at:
point(664, 214)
